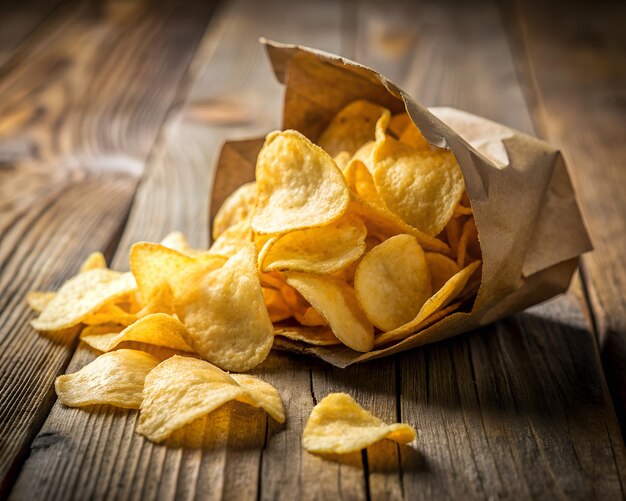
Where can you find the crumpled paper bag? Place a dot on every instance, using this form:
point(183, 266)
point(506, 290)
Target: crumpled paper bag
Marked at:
point(529, 225)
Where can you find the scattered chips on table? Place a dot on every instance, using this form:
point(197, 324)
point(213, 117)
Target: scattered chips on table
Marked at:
point(338, 425)
point(361, 240)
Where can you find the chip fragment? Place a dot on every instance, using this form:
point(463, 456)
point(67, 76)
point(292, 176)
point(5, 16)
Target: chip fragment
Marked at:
point(82, 295)
point(225, 316)
point(338, 425)
point(38, 300)
point(337, 303)
point(299, 185)
point(115, 378)
point(392, 282)
point(238, 207)
point(94, 261)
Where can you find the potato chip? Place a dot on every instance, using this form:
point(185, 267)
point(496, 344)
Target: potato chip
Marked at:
point(398, 123)
point(444, 296)
point(94, 261)
point(468, 244)
point(442, 268)
point(82, 295)
point(238, 207)
point(276, 306)
point(461, 210)
point(293, 298)
point(273, 280)
point(101, 329)
point(319, 336)
point(310, 317)
point(323, 250)
point(231, 239)
point(338, 425)
point(153, 265)
point(38, 300)
point(392, 282)
point(261, 394)
point(361, 183)
point(115, 378)
point(453, 230)
point(364, 153)
point(351, 128)
point(337, 303)
point(158, 329)
point(225, 315)
point(182, 389)
point(342, 159)
point(110, 313)
point(421, 187)
point(299, 185)
point(412, 136)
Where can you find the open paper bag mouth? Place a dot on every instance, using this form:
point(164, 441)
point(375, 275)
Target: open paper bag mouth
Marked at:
point(530, 229)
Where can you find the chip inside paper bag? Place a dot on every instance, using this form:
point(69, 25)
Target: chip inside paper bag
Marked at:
point(388, 225)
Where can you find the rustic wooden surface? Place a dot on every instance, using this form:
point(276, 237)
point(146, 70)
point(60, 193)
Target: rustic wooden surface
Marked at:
point(111, 118)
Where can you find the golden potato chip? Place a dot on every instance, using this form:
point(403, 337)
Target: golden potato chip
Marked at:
point(110, 314)
point(421, 187)
point(468, 244)
point(392, 282)
point(361, 183)
point(337, 303)
point(364, 153)
point(351, 128)
point(276, 306)
point(273, 280)
point(182, 389)
point(158, 329)
point(101, 329)
point(293, 298)
point(310, 317)
point(453, 230)
point(398, 123)
point(461, 210)
point(338, 425)
point(177, 241)
point(261, 394)
point(161, 302)
point(153, 265)
point(238, 207)
point(94, 261)
point(443, 297)
point(382, 224)
point(442, 268)
point(231, 239)
point(115, 378)
point(225, 315)
point(412, 136)
point(299, 185)
point(38, 300)
point(320, 335)
point(82, 295)
point(342, 159)
point(323, 250)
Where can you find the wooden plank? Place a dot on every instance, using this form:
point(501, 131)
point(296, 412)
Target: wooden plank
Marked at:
point(574, 74)
point(72, 145)
point(499, 408)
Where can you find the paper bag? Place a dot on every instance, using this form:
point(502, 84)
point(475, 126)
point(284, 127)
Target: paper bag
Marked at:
point(529, 225)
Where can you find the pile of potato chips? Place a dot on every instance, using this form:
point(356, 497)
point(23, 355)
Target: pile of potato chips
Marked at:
point(361, 240)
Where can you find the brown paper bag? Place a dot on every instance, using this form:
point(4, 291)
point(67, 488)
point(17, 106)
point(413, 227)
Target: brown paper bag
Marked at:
point(529, 226)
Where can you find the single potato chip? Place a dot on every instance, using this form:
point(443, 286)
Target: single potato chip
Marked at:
point(38, 300)
point(338, 425)
point(469, 247)
point(182, 389)
point(110, 314)
point(94, 261)
point(177, 241)
point(299, 185)
point(336, 302)
point(225, 315)
point(238, 207)
point(421, 187)
point(277, 307)
point(442, 268)
point(412, 136)
point(319, 336)
point(310, 317)
point(153, 265)
point(392, 282)
point(351, 128)
point(158, 329)
point(323, 250)
point(115, 378)
point(82, 295)
point(398, 123)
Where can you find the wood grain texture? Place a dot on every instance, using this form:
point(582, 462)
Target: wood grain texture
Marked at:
point(517, 409)
point(575, 76)
point(72, 144)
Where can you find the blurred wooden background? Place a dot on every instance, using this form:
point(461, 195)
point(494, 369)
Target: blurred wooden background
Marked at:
point(112, 114)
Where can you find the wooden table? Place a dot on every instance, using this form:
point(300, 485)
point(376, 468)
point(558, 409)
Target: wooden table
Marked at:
point(111, 118)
